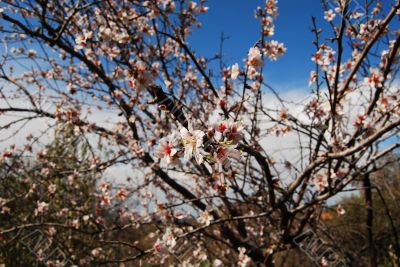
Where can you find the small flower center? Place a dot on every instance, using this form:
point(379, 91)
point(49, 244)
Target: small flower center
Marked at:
point(221, 152)
point(222, 127)
point(168, 150)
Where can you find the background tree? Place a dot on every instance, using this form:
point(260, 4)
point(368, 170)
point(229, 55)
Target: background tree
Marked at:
point(47, 192)
point(351, 230)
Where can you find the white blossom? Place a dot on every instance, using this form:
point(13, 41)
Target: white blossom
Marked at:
point(235, 71)
point(205, 218)
point(192, 140)
point(255, 57)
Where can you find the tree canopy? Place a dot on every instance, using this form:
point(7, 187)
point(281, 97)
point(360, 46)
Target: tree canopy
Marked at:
point(116, 85)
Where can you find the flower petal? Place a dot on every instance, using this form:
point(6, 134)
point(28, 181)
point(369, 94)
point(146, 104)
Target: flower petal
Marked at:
point(185, 134)
point(198, 156)
point(188, 151)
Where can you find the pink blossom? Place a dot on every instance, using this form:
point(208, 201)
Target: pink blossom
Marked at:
point(360, 120)
point(98, 253)
point(223, 154)
point(121, 194)
point(167, 242)
point(205, 218)
point(329, 15)
point(235, 133)
point(105, 200)
point(274, 49)
point(340, 210)
point(320, 181)
point(42, 207)
point(81, 40)
point(105, 187)
point(217, 263)
point(313, 78)
point(375, 79)
point(52, 189)
point(229, 131)
point(243, 259)
point(168, 149)
point(271, 7)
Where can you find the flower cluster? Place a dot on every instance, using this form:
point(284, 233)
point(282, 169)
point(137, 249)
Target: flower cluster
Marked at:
point(168, 149)
point(42, 207)
point(267, 16)
point(271, 49)
point(218, 145)
point(375, 79)
point(166, 243)
point(205, 218)
point(227, 135)
point(324, 57)
point(320, 181)
point(274, 49)
point(243, 259)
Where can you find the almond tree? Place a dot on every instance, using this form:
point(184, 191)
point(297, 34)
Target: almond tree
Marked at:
point(195, 137)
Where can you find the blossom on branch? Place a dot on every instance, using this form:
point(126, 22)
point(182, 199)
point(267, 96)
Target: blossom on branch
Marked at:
point(205, 218)
point(192, 141)
point(255, 57)
point(375, 78)
point(168, 149)
point(166, 243)
point(330, 15)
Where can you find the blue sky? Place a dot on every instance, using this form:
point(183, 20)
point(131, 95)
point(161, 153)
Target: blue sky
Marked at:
point(236, 19)
point(293, 27)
